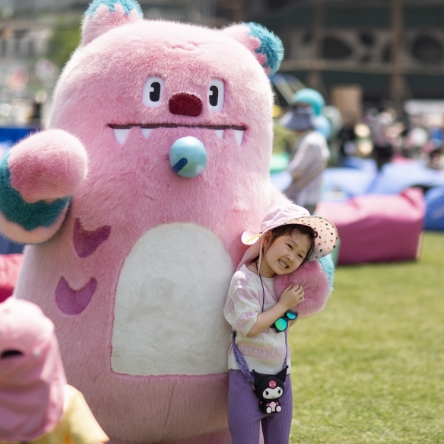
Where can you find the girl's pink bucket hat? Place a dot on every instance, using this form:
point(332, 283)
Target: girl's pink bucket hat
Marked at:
point(326, 232)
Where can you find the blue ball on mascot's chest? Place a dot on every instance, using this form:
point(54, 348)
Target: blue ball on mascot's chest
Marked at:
point(188, 156)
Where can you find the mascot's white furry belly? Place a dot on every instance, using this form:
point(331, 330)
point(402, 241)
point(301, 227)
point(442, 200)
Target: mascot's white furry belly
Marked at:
point(169, 303)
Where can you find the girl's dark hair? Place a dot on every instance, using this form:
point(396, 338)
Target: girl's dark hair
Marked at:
point(305, 230)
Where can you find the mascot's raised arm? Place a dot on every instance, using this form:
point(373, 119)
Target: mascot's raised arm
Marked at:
point(134, 200)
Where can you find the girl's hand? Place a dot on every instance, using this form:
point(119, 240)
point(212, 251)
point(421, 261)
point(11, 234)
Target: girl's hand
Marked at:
point(291, 296)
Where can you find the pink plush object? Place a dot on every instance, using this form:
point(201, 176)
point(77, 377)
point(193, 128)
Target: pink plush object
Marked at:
point(315, 284)
point(10, 265)
point(47, 166)
point(33, 381)
point(378, 228)
point(136, 276)
point(44, 167)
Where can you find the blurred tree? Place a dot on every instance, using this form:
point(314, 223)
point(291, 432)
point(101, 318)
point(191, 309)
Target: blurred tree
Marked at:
point(62, 44)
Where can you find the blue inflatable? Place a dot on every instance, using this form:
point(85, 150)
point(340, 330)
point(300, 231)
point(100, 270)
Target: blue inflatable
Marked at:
point(434, 200)
point(9, 135)
point(346, 182)
point(396, 177)
point(339, 184)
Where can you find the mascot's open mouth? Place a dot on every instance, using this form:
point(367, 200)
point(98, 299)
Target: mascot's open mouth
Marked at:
point(121, 131)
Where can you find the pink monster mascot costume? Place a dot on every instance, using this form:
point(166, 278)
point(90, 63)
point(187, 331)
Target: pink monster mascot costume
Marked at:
point(134, 201)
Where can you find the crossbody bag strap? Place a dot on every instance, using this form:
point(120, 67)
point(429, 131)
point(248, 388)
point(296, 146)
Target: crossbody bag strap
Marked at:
point(240, 360)
point(242, 363)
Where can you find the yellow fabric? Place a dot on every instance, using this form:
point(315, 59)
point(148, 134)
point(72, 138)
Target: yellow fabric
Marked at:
point(78, 425)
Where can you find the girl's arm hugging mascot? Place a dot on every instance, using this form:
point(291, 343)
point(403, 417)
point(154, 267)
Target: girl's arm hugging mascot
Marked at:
point(134, 201)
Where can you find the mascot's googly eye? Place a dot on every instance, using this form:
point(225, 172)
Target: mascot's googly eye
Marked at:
point(216, 92)
point(153, 92)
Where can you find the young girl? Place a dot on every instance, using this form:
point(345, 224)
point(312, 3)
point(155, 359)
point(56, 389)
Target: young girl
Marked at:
point(37, 406)
point(259, 360)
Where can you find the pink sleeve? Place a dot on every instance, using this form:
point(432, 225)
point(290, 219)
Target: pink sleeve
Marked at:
point(242, 306)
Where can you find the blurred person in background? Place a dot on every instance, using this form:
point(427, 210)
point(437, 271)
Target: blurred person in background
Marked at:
point(310, 155)
point(432, 150)
point(346, 138)
point(35, 117)
point(414, 142)
point(436, 158)
point(385, 130)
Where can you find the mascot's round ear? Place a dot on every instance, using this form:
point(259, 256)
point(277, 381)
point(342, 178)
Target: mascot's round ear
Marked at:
point(102, 15)
point(266, 46)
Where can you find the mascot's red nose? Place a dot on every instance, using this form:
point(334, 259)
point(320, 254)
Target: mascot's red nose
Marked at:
point(185, 104)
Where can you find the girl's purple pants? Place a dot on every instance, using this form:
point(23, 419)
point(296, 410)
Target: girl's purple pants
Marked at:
point(245, 416)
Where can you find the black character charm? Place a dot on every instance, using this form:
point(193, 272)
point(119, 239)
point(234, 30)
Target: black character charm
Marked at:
point(269, 389)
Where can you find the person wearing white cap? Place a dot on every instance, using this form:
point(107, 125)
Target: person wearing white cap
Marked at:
point(310, 155)
point(259, 355)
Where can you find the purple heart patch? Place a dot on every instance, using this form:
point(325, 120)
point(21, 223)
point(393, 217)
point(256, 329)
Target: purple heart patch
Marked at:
point(73, 302)
point(86, 242)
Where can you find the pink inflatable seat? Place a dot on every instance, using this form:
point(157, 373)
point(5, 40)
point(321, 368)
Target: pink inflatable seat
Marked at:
point(10, 265)
point(378, 228)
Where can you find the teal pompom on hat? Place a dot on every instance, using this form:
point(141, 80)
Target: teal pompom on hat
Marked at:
point(310, 97)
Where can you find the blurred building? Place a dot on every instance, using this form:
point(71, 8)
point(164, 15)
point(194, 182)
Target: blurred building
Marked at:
point(187, 10)
point(33, 5)
point(393, 48)
point(22, 39)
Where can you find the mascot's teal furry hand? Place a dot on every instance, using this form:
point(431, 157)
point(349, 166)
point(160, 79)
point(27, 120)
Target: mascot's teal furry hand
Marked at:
point(132, 259)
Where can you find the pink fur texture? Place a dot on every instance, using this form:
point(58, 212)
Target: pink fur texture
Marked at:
point(47, 166)
point(155, 252)
point(315, 284)
point(240, 33)
point(103, 21)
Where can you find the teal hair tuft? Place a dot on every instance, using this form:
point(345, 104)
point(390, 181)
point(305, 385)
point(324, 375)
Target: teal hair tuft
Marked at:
point(271, 46)
point(128, 6)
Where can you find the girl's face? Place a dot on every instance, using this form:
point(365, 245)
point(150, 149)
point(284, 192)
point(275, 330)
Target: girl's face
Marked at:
point(284, 254)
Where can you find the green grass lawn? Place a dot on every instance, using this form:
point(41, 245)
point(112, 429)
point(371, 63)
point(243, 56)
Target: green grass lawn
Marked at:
point(370, 367)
